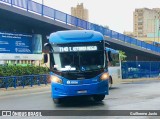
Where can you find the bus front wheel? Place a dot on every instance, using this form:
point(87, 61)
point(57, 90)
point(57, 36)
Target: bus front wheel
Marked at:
point(98, 98)
point(110, 82)
point(57, 101)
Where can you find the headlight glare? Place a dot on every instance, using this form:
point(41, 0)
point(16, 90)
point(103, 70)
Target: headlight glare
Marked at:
point(104, 76)
point(55, 79)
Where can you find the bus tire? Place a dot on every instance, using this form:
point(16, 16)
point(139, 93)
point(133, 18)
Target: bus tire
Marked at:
point(110, 82)
point(57, 101)
point(98, 98)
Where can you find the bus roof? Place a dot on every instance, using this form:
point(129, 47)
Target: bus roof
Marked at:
point(70, 36)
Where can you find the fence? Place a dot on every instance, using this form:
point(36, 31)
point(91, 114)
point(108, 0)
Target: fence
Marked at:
point(27, 80)
point(140, 69)
point(51, 13)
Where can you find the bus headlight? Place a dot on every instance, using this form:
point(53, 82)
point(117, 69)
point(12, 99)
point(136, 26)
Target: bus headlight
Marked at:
point(55, 79)
point(104, 76)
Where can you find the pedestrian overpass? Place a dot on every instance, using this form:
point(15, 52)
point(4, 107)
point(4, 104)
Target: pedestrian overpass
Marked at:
point(30, 17)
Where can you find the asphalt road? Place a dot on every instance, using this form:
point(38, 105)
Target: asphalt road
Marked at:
point(144, 95)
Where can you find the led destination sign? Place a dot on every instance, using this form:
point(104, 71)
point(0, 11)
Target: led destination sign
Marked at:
point(75, 48)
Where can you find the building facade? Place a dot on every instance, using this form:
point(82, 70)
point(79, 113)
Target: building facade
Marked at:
point(80, 12)
point(146, 22)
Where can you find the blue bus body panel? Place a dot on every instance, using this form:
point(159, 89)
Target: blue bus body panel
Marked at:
point(79, 87)
point(73, 36)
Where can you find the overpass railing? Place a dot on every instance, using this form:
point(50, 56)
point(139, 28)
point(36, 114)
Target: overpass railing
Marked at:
point(51, 13)
point(27, 80)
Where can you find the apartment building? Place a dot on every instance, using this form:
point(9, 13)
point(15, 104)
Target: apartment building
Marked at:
point(80, 12)
point(145, 21)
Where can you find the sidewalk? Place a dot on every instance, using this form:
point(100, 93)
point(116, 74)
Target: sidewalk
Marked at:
point(26, 90)
point(117, 80)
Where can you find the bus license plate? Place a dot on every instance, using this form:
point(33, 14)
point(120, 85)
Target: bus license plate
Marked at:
point(82, 91)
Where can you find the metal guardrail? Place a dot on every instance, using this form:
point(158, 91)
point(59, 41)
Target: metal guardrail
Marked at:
point(27, 80)
point(140, 69)
point(51, 13)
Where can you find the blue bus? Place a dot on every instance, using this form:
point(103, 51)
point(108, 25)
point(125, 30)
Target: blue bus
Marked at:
point(78, 64)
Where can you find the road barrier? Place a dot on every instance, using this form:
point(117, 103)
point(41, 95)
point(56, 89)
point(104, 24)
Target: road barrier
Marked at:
point(37, 8)
point(140, 69)
point(27, 80)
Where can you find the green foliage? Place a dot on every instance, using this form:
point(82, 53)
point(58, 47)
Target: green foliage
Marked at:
point(22, 70)
point(122, 56)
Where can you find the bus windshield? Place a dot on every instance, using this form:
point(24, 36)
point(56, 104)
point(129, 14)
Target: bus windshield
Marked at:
point(78, 61)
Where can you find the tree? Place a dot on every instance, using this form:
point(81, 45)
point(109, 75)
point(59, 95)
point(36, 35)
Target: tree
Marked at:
point(122, 55)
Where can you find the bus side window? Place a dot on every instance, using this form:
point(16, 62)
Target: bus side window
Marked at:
point(109, 56)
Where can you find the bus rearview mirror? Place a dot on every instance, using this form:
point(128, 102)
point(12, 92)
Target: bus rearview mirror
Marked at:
point(109, 56)
point(107, 44)
point(45, 58)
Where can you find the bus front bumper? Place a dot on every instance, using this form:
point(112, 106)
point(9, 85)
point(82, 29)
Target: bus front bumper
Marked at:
point(61, 90)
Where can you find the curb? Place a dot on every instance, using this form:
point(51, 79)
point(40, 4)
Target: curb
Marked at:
point(138, 80)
